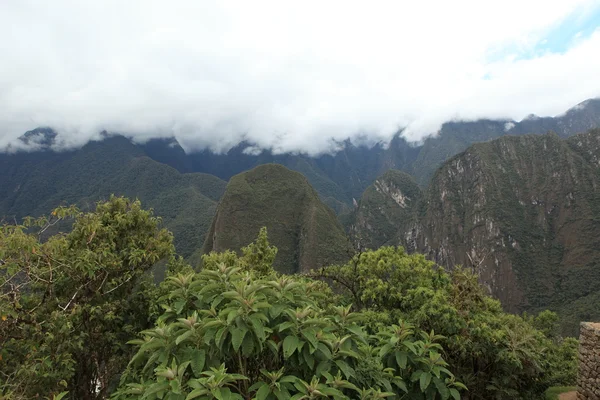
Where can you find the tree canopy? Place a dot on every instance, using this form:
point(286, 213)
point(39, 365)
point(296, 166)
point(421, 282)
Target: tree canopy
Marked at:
point(83, 319)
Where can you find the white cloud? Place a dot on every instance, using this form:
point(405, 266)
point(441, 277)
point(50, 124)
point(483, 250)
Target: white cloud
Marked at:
point(288, 76)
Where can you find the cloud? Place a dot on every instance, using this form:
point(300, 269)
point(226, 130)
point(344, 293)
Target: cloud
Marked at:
point(296, 76)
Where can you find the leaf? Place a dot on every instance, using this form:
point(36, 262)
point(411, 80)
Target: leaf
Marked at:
point(441, 388)
point(385, 349)
point(196, 393)
point(290, 344)
point(220, 337)
point(155, 388)
point(454, 393)
point(258, 328)
point(237, 336)
point(401, 359)
point(312, 339)
point(345, 368)
point(424, 381)
point(282, 394)
point(323, 366)
point(183, 337)
point(248, 346)
point(276, 310)
point(263, 392)
point(197, 362)
point(283, 326)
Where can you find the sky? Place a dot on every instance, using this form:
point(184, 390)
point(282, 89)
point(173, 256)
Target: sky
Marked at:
point(288, 76)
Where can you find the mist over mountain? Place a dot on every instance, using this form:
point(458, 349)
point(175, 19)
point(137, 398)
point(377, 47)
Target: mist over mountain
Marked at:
point(343, 175)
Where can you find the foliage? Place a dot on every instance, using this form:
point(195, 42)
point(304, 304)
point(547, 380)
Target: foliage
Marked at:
point(233, 332)
point(305, 231)
point(497, 355)
point(35, 183)
point(69, 303)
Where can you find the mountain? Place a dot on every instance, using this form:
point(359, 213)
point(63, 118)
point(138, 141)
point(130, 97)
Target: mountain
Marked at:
point(454, 137)
point(344, 175)
point(303, 228)
point(337, 177)
point(388, 206)
point(35, 182)
point(524, 212)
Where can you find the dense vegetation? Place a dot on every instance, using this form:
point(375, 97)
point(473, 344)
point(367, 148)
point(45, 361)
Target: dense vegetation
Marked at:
point(32, 183)
point(391, 325)
point(305, 230)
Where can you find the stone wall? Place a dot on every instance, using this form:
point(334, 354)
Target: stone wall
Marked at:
point(588, 381)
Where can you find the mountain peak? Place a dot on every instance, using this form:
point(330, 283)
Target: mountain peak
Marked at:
point(305, 230)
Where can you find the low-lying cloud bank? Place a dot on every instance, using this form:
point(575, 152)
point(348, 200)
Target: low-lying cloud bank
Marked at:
point(288, 77)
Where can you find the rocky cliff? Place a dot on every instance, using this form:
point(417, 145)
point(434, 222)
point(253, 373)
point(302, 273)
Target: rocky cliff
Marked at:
point(524, 213)
point(521, 211)
point(387, 207)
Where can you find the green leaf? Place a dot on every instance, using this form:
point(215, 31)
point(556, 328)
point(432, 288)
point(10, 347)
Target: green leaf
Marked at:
point(237, 336)
point(258, 328)
point(197, 362)
point(323, 366)
point(263, 392)
point(290, 344)
point(401, 359)
point(155, 388)
point(385, 349)
point(285, 325)
point(424, 381)
point(345, 368)
point(196, 393)
point(183, 337)
point(454, 393)
point(441, 388)
point(282, 394)
point(248, 346)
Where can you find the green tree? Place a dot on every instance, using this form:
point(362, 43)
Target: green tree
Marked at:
point(69, 303)
point(237, 329)
point(496, 354)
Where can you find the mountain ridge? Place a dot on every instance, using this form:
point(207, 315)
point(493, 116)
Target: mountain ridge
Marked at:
point(524, 213)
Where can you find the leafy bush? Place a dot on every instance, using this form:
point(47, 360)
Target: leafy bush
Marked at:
point(496, 354)
point(232, 331)
point(69, 304)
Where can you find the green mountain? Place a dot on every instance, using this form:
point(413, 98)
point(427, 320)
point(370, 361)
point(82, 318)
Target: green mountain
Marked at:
point(34, 183)
point(386, 207)
point(342, 176)
point(303, 228)
point(524, 213)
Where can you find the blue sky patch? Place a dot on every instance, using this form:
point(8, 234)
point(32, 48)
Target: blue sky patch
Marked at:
point(558, 39)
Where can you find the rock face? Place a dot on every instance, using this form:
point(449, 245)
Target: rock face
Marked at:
point(588, 381)
point(305, 231)
point(524, 212)
point(387, 207)
point(521, 211)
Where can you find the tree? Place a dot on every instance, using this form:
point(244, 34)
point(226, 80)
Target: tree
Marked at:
point(68, 304)
point(237, 329)
point(496, 354)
